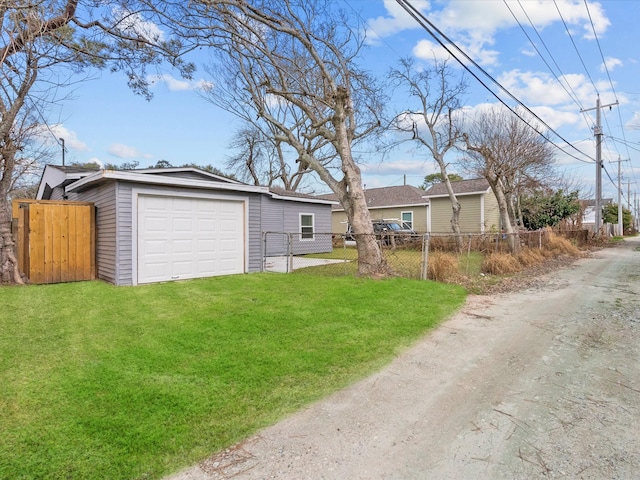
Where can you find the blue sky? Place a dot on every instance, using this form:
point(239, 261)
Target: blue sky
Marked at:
point(103, 121)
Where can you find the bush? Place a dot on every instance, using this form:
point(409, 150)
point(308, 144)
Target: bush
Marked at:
point(500, 264)
point(442, 266)
point(529, 257)
point(561, 246)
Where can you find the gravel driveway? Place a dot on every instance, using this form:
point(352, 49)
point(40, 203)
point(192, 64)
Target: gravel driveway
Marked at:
point(542, 383)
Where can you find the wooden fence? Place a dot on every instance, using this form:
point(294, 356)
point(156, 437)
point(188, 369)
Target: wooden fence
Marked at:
point(55, 240)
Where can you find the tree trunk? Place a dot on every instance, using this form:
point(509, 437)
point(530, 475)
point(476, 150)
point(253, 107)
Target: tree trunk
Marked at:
point(9, 271)
point(513, 239)
point(455, 206)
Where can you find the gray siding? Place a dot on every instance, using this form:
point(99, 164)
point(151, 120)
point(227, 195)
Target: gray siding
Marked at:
point(282, 217)
point(255, 233)
point(125, 234)
point(272, 226)
point(104, 198)
point(115, 222)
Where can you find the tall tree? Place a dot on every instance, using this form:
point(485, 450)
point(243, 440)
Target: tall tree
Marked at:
point(435, 178)
point(503, 148)
point(294, 65)
point(263, 159)
point(547, 209)
point(47, 44)
point(431, 121)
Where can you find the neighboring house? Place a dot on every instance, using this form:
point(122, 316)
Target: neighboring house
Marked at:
point(177, 223)
point(479, 211)
point(403, 203)
point(588, 220)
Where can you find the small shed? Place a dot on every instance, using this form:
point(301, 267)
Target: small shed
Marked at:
point(178, 223)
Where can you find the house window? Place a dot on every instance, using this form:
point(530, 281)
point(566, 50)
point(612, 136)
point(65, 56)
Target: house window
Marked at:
point(306, 226)
point(407, 220)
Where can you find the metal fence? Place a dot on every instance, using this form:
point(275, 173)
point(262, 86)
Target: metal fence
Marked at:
point(408, 255)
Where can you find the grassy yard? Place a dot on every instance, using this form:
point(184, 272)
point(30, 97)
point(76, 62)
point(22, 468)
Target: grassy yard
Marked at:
point(98, 381)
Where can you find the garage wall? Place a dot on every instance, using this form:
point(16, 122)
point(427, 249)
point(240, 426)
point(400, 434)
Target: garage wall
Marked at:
point(284, 216)
point(104, 198)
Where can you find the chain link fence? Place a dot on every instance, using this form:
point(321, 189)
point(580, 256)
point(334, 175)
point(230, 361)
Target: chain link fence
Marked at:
point(407, 254)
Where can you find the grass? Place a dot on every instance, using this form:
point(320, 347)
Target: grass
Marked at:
point(98, 381)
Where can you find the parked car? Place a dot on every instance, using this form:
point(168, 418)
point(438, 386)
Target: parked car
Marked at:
point(386, 230)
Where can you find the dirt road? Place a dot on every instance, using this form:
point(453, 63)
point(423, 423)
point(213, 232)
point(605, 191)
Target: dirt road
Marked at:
point(543, 383)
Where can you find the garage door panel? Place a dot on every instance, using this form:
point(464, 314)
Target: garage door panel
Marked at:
point(189, 238)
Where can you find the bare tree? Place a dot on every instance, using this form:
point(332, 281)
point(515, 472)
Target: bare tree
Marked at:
point(263, 159)
point(503, 148)
point(433, 123)
point(293, 65)
point(45, 45)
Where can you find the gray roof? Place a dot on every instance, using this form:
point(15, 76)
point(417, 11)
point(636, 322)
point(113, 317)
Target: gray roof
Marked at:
point(402, 195)
point(281, 192)
point(75, 169)
point(463, 187)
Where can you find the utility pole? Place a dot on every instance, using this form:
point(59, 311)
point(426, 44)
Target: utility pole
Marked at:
point(620, 222)
point(597, 131)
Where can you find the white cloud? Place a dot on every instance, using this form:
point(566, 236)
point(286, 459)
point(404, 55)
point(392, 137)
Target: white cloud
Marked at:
point(534, 88)
point(396, 21)
point(124, 151)
point(51, 135)
point(473, 25)
point(428, 50)
point(133, 24)
point(610, 63)
point(176, 84)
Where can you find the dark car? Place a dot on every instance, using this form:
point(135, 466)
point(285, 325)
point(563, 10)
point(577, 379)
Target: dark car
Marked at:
point(386, 230)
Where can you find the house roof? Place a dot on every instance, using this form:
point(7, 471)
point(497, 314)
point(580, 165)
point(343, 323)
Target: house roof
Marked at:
point(384, 197)
point(83, 179)
point(463, 187)
point(290, 195)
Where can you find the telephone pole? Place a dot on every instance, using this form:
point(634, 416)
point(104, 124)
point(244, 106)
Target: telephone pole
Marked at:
point(597, 131)
point(620, 222)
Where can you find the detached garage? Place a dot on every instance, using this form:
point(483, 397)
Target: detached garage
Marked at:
point(183, 237)
point(168, 224)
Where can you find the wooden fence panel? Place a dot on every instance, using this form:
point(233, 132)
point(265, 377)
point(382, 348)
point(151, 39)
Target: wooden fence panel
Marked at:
point(56, 240)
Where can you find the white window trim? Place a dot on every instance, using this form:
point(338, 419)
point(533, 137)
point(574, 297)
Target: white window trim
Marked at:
point(313, 227)
point(410, 212)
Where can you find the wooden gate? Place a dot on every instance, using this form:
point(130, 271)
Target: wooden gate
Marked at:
point(55, 240)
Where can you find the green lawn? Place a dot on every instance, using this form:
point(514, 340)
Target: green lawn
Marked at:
point(98, 381)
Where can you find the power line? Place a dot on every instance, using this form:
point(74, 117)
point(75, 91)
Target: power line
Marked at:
point(430, 28)
point(567, 88)
point(575, 47)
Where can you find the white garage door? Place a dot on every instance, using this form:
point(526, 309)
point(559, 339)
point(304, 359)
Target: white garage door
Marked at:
point(180, 237)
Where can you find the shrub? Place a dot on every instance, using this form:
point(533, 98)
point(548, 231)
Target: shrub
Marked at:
point(561, 246)
point(529, 257)
point(500, 264)
point(442, 266)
